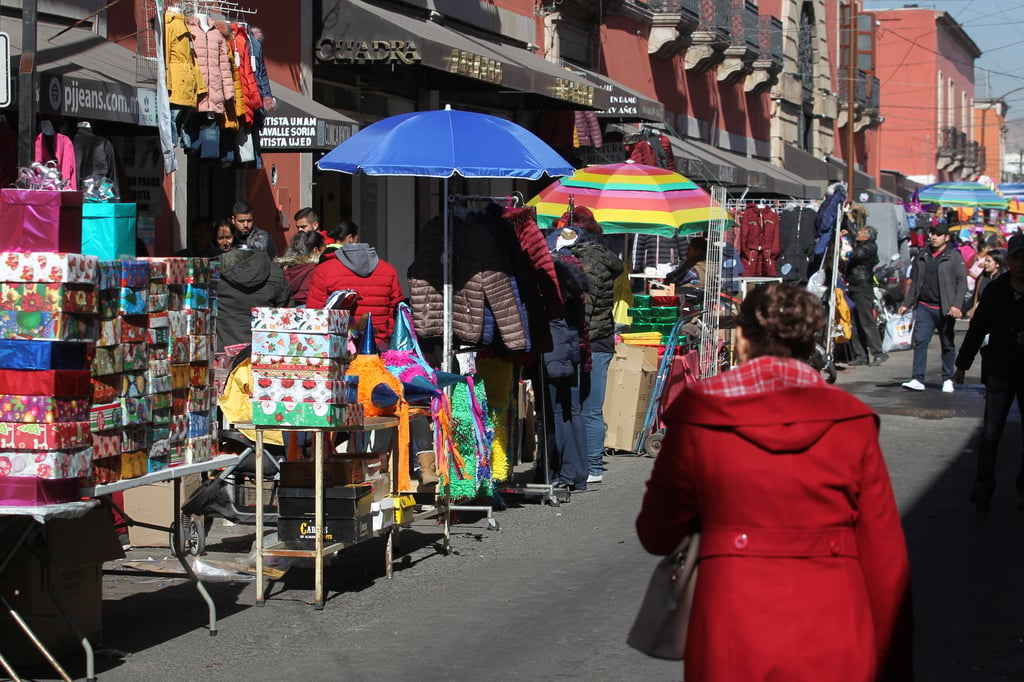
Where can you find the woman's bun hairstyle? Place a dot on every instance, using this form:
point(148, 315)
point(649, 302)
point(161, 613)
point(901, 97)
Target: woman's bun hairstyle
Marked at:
point(781, 319)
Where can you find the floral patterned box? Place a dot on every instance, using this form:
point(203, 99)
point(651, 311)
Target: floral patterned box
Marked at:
point(294, 366)
point(277, 413)
point(106, 443)
point(288, 390)
point(47, 464)
point(199, 450)
point(49, 297)
point(308, 320)
point(58, 326)
point(42, 409)
point(186, 270)
point(48, 267)
point(178, 428)
point(298, 344)
point(55, 436)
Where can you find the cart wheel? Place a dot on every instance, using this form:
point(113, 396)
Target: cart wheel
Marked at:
point(653, 443)
point(828, 372)
point(191, 536)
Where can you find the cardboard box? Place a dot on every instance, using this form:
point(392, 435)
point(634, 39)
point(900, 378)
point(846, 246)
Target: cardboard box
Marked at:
point(631, 376)
point(340, 502)
point(300, 533)
point(153, 504)
point(337, 471)
point(80, 546)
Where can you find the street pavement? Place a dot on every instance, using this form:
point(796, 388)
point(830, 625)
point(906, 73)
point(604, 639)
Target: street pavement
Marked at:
point(552, 594)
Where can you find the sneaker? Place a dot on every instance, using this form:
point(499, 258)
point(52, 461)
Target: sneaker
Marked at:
point(595, 478)
point(913, 385)
point(947, 386)
point(879, 359)
point(125, 542)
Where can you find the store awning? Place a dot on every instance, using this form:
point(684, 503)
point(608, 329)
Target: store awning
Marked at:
point(357, 33)
point(302, 124)
point(85, 76)
point(626, 104)
point(699, 161)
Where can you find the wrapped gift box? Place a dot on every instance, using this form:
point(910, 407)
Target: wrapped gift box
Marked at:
point(134, 328)
point(107, 443)
point(59, 326)
point(187, 270)
point(176, 454)
point(104, 417)
point(35, 354)
point(198, 348)
point(136, 437)
point(306, 320)
point(298, 344)
point(56, 436)
point(199, 375)
point(159, 355)
point(109, 230)
point(298, 390)
point(197, 322)
point(157, 271)
point(158, 367)
point(161, 417)
point(21, 491)
point(134, 274)
point(177, 321)
point(106, 389)
point(273, 412)
point(49, 267)
point(199, 399)
point(47, 463)
point(133, 301)
point(179, 350)
point(180, 375)
point(136, 356)
point(198, 424)
point(108, 303)
point(48, 297)
point(160, 384)
point(40, 220)
point(42, 409)
point(177, 269)
point(195, 297)
point(199, 450)
point(178, 430)
point(158, 462)
point(109, 275)
point(106, 469)
point(134, 464)
point(158, 336)
point(109, 333)
point(108, 360)
point(160, 401)
point(294, 366)
point(135, 410)
point(134, 384)
point(157, 301)
point(64, 383)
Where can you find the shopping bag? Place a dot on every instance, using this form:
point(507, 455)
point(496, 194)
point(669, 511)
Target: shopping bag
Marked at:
point(660, 627)
point(899, 332)
point(40, 220)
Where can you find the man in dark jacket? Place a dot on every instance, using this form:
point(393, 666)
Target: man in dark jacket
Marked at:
point(937, 289)
point(1000, 316)
point(248, 279)
point(860, 280)
point(246, 233)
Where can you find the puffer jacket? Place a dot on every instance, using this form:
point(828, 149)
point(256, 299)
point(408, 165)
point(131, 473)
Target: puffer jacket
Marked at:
point(357, 267)
point(248, 279)
point(860, 266)
point(479, 279)
point(234, 109)
point(250, 91)
point(571, 347)
point(259, 67)
point(184, 80)
point(212, 60)
point(524, 222)
point(601, 266)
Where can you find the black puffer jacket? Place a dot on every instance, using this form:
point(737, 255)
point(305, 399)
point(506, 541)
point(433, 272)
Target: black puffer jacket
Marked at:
point(860, 266)
point(248, 279)
point(602, 267)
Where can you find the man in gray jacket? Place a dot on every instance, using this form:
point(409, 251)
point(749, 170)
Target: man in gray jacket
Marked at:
point(937, 289)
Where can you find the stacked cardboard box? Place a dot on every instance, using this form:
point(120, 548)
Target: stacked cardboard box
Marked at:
point(47, 320)
point(631, 376)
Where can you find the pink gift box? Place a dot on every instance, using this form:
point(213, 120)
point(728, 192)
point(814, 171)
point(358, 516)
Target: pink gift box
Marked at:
point(40, 220)
point(42, 409)
point(49, 267)
point(47, 463)
point(294, 366)
point(106, 443)
point(17, 491)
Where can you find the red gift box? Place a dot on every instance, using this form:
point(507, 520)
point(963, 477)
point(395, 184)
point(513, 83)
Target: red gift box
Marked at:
point(40, 220)
point(61, 383)
point(56, 436)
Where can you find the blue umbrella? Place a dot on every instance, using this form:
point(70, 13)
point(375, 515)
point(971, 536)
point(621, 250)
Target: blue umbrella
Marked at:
point(1012, 189)
point(446, 142)
point(440, 144)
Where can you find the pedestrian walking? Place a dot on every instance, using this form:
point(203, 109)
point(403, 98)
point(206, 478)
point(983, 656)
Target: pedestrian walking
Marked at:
point(803, 570)
point(936, 292)
point(860, 282)
point(999, 317)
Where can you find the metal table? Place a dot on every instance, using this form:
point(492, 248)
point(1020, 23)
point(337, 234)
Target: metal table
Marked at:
point(174, 474)
point(35, 519)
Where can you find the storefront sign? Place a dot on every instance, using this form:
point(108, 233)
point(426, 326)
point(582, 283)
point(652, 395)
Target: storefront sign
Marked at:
point(474, 66)
point(368, 52)
point(301, 133)
point(571, 91)
point(93, 99)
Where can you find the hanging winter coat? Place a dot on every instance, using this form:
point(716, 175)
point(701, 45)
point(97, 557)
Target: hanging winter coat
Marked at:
point(234, 109)
point(212, 60)
point(184, 80)
point(94, 157)
point(759, 241)
point(524, 222)
point(250, 90)
point(259, 68)
point(58, 147)
point(642, 152)
point(588, 129)
point(825, 222)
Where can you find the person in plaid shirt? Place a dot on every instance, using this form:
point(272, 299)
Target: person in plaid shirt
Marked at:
point(803, 563)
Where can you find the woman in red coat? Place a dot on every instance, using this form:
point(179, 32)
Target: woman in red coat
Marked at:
point(356, 266)
point(803, 572)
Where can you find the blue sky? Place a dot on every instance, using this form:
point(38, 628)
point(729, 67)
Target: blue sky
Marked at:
point(997, 26)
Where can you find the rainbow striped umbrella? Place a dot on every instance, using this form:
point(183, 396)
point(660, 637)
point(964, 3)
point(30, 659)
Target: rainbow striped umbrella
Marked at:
point(630, 197)
point(969, 194)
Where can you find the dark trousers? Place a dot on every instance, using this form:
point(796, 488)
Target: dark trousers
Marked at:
point(566, 437)
point(865, 328)
point(999, 395)
point(926, 322)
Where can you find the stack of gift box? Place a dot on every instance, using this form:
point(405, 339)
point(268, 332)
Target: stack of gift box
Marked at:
point(299, 358)
point(48, 308)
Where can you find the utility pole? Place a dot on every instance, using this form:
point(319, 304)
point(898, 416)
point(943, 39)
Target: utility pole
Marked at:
point(851, 93)
point(27, 84)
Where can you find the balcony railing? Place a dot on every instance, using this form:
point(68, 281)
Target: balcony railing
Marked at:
point(672, 6)
point(770, 38)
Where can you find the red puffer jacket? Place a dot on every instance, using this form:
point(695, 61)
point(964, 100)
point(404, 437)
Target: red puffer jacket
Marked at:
point(357, 267)
point(250, 90)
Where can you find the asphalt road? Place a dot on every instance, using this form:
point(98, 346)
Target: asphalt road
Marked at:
point(551, 596)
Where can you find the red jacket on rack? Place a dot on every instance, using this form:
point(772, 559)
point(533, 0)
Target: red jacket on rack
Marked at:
point(759, 241)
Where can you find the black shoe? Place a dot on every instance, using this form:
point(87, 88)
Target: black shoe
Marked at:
point(879, 359)
point(982, 501)
point(858, 362)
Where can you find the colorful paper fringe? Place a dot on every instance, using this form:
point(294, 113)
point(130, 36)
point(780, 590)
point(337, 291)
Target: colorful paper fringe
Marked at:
point(497, 375)
point(472, 436)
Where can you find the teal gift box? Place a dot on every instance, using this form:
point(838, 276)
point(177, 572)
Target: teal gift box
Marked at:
point(108, 230)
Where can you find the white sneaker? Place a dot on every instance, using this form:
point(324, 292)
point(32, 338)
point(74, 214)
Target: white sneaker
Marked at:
point(595, 478)
point(947, 386)
point(914, 385)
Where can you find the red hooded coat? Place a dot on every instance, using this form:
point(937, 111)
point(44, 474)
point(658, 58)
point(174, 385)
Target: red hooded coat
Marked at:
point(804, 573)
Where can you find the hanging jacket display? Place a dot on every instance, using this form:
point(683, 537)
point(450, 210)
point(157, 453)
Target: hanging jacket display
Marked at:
point(796, 243)
point(250, 89)
point(212, 60)
point(759, 241)
point(184, 80)
point(58, 147)
point(94, 157)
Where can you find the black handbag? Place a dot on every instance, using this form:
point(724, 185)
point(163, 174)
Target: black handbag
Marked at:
point(659, 629)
